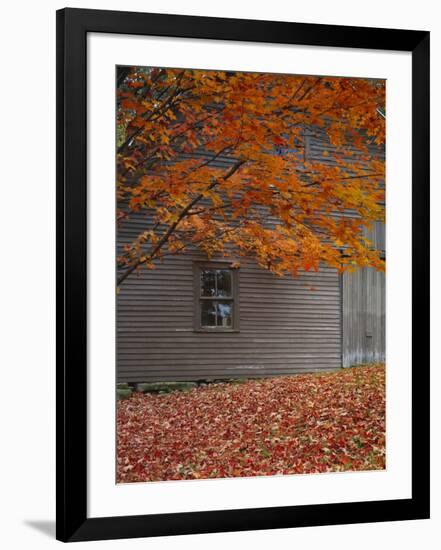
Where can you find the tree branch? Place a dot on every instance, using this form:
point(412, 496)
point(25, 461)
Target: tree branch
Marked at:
point(175, 224)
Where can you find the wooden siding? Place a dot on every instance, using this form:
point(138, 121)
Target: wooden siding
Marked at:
point(363, 292)
point(287, 325)
point(364, 297)
point(319, 149)
point(363, 317)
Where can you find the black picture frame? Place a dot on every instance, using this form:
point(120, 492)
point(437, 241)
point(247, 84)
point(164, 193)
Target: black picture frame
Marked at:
point(72, 28)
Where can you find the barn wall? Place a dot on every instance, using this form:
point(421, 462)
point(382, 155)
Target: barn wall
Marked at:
point(318, 321)
point(364, 309)
point(363, 292)
point(287, 325)
point(363, 317)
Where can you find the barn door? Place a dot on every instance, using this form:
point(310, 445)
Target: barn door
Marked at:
point(363, 317)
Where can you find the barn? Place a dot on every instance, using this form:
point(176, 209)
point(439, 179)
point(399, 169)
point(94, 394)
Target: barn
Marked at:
point(193, 318)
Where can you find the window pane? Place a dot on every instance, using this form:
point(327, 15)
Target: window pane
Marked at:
point(208, 313)
point(215, 313)
point(224, 314)
point(208, 282)
point(223, 282)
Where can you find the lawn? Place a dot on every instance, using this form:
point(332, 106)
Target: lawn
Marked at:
point(309, 423)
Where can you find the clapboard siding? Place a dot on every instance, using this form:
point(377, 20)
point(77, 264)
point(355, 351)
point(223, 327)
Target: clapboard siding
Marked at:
point(377, 235)
point(287, 325)
point(317, 321)
point(363, 291)
point(319, 149)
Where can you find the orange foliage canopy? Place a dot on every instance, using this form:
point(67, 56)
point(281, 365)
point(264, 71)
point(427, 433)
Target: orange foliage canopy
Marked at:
point(270, 200)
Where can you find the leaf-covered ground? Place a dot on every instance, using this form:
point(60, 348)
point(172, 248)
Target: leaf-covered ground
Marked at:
point(286, 425)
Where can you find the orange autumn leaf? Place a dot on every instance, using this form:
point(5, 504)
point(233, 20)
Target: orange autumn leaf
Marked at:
point(217, 160)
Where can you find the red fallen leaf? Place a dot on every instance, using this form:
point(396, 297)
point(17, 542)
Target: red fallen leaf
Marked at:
point(293, 424)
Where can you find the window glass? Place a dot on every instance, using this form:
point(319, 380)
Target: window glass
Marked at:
point(216, 299)
point(223, 278)
point(224, 314)
point(215, 313)
point(208, 313)
point(216, 282)
point(208, 282)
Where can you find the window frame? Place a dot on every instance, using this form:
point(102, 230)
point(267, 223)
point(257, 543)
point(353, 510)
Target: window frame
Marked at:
point(200, 265)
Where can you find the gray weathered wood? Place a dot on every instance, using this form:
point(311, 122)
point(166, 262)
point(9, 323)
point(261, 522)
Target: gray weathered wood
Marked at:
point(363, 317)
point(318, 321)
point(287, 325)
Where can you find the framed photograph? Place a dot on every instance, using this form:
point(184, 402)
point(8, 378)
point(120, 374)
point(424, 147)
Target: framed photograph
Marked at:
point(242, 275)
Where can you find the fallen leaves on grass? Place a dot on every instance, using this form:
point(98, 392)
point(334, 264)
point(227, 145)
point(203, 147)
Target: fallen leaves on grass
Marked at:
point(286, 425)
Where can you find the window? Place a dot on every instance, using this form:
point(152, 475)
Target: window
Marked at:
point(216, 297)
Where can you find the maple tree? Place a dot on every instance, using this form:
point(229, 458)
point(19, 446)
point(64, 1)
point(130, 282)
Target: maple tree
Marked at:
point(300, 424)
point(270, 201)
